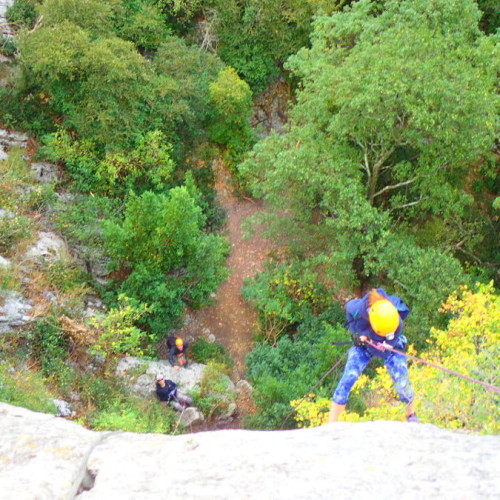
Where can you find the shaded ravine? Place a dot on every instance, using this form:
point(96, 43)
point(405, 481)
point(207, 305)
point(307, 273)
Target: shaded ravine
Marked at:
point(230, 319)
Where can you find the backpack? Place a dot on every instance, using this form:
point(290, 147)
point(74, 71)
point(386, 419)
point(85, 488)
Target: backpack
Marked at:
point(171, 341)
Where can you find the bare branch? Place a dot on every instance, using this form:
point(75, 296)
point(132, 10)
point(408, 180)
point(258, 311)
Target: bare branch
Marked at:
point(406, 205)
point(395, 186)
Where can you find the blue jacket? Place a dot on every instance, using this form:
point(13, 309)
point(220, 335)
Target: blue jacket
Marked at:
point(358, 322)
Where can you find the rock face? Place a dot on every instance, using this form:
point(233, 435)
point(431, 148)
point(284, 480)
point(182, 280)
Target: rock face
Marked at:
point(45, 457)
point(14, 311)
point(4, 27)
point(49, 247)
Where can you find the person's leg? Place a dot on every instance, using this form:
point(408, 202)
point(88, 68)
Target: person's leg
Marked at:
point(175, 405)
point(397, 367)
point(357, 360)
point(184, 399)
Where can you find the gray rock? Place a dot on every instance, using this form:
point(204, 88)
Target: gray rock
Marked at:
point(191, 416)
point(243, 386)
point(45, 173)
point(64, 409)
point(141, 374)
point(44, 457)
point(4, 262)
point(14, 311)
point(230, 411)
point(6, 214)
point(49, 247)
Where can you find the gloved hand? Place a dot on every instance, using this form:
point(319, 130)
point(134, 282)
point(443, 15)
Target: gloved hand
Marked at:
point(358, 340)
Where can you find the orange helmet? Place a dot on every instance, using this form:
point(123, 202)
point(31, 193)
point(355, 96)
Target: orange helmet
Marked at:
point(384, 317)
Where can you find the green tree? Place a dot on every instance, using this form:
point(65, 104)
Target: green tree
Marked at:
point(100, 87)
point(393, 109)
point(166, 258)
point(231, 99)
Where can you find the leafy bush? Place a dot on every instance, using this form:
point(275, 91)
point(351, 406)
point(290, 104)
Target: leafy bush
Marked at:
point(136, 416)
point(288, 371)
point(117, 333)
point(204, 352)
point(8, 46)
point(22, 13)
point(170, 259)
point(285, 296)
point(231, 99)
point(49, 343)
point(212, 396)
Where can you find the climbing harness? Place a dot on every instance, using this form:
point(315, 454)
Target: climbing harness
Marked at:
point(314, 387)
point(385, 347)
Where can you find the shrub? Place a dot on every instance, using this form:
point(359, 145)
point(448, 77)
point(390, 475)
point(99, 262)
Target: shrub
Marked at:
point(288, 371)
point(136, 416)
point(205, 352)
point(117, 333)
point(212, 396)
point(8, 46)
point(13, 230)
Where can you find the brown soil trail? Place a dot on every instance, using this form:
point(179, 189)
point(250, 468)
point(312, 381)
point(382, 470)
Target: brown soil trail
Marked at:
point(230, 319)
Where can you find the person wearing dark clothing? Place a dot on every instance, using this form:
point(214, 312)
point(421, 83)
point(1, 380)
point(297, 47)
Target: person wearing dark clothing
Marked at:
point(166, 390)
point(177, 352)
point(377, 317)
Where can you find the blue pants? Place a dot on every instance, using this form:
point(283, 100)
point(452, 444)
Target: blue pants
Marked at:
point(357, 360)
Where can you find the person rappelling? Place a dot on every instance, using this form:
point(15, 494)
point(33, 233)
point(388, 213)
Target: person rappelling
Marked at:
point(375, 319)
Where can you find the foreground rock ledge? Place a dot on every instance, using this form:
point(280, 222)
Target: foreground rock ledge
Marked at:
point(45, 457)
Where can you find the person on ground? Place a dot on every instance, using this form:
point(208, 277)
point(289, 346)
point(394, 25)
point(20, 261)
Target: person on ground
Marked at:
point(166, 390)
point(177, 352)
point(376, 317)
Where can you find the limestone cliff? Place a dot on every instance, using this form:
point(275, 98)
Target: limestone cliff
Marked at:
point(47, 458)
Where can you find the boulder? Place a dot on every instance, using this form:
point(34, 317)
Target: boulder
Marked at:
point(42, 457)
point(191, 416)
point(49, 247)
point(140, 374)
point(64, 409)
point(45, 173)
point(14, 309)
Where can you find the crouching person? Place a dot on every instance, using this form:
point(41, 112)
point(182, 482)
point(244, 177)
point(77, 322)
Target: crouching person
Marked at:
point(166, 390)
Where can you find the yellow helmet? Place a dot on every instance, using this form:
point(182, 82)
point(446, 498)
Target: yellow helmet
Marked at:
point(384, 318)
point(179, 342)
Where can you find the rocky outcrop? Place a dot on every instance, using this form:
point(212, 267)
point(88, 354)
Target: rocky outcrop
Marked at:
point(49, 247)
point(45, 457)
point(9, 140)
point(14, 311)
point(140, 375)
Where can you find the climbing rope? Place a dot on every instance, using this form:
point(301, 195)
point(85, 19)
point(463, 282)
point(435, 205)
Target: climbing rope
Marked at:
point(385, 347)
point(314, 387)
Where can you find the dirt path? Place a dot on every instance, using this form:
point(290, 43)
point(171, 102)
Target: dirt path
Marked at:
point(230, 319)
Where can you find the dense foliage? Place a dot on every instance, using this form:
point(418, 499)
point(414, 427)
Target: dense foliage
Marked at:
point(373, 159)
point(385, 176)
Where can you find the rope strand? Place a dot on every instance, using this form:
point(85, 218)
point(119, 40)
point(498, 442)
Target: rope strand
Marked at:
point(385, 347)
point(314, 387)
